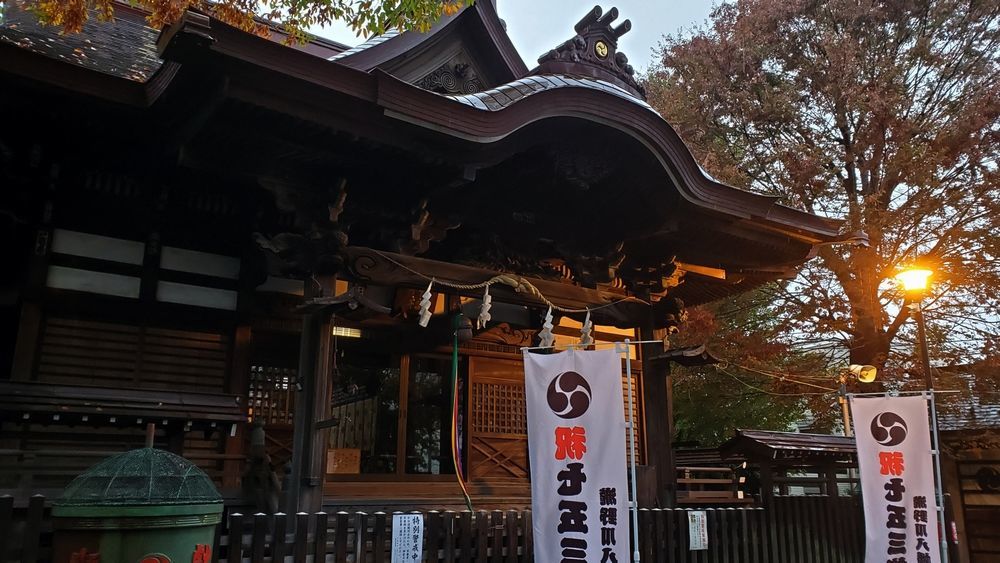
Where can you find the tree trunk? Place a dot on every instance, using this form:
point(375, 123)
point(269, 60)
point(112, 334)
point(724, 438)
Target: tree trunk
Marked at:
point(869, 342)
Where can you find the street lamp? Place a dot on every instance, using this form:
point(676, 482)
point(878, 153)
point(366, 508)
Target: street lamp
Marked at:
point(914, 283)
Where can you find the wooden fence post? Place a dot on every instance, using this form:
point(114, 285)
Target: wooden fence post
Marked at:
point(6, 522)
point(529, 538)
point(33, 529)
point(482, 535)
point(466, 539)
point(279, 537)
point(378, 540)
point(360, 535)
point(660, 545)
point(340, 538)
point(671, 531)
point(496, 525)
point(234, 552)
point(449, 536)
point(645, 547)
point(776, 535)
point(258, 537)
point(319, 537)
point(512, 527)
point(683, 537)
point(300, 550)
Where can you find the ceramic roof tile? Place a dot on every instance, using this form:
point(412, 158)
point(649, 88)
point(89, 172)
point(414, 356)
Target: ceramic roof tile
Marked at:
point(507, 94)
point(474, 101)
point(490, 101)
point(366, 45)
point(511, 92)
point(125, 47)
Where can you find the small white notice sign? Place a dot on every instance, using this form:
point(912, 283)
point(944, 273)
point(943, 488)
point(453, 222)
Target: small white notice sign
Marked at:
point(697, 530)
point(407, 538)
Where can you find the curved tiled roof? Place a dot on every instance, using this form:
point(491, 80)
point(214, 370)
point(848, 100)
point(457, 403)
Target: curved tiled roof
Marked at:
point(496, 99)
point(376, 40)
point(125, 47)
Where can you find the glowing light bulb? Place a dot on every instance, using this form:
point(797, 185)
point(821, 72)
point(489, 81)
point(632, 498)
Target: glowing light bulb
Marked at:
point(914, 279)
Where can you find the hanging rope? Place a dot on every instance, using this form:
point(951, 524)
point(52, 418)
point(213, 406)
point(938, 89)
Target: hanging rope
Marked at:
point(519, 284)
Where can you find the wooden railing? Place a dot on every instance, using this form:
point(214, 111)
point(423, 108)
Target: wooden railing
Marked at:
point(790, 530)
point(709, 485)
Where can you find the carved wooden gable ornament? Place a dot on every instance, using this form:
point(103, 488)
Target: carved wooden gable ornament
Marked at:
point(593, 52)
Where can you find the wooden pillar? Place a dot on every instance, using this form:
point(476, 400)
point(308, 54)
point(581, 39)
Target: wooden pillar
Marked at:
point(312, 405)
point(239, 375)
point(766, 482)
point(830, 470)
point(657, 405)
point(29, 332)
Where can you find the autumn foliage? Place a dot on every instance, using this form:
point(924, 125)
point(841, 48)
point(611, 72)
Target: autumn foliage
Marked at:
point(295, 16)
point(885, 113)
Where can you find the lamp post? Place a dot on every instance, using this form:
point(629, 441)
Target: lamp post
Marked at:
point(915, 285)
point(914, 282)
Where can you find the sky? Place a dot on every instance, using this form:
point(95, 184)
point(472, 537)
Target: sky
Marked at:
point(536, 26)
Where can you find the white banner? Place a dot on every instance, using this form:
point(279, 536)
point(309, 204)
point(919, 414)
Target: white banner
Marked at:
point(897, 479)
point(576, 442)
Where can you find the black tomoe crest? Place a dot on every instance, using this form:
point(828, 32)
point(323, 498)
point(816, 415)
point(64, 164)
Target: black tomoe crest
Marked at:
point(569, 395)
point(888, 429)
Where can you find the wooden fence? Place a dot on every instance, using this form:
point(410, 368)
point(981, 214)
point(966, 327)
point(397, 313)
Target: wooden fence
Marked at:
point(791, 530)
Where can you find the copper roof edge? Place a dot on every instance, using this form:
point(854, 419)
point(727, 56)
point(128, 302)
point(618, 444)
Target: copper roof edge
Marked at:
point(434, 111)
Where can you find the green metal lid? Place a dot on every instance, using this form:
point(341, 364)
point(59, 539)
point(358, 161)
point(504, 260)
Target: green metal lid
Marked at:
point(141, 477)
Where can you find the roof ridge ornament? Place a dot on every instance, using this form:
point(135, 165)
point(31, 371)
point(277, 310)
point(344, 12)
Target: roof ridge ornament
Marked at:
point(593, 52)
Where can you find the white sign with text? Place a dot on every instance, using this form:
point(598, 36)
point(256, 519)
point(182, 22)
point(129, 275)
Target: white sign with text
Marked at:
point(697, 530)
point(407, 538)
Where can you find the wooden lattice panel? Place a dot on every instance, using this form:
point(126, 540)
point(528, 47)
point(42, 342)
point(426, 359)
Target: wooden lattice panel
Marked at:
point(272, 394)
point(498, 408)
point(498, 437)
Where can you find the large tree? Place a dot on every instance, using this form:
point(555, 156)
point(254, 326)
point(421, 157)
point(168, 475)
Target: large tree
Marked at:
point(885, 113)
point(296, 16)
point(764, 383)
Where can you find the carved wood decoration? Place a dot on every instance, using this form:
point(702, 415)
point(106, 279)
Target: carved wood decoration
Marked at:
point(593, 51)
point(506, 335)
point(651, 279)
point(591, 270)
point(315, 245)
point(457, 76)
point(425, 229)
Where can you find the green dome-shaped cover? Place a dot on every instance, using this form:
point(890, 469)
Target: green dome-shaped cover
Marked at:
point(141, 477)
